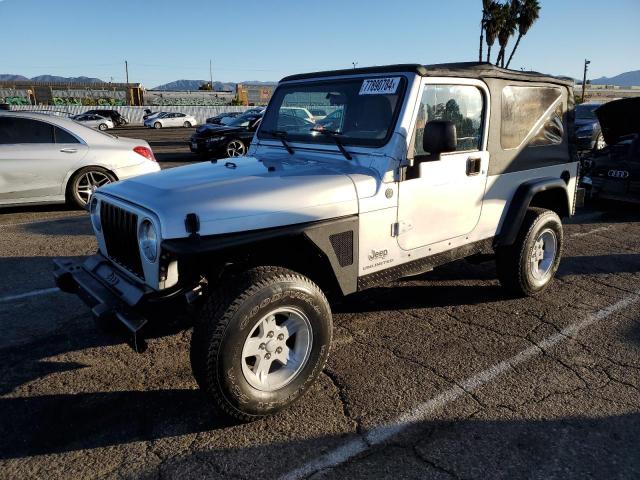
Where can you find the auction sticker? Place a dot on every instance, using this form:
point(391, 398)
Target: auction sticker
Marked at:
point(379, 86)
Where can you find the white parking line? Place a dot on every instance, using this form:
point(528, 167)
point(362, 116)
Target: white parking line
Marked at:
point(420, 413)
point(55, 219)
point(589, 232)
point(33, 293)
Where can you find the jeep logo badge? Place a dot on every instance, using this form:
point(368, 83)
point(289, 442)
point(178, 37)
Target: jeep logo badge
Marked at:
point(618, 174)
point(377, 255)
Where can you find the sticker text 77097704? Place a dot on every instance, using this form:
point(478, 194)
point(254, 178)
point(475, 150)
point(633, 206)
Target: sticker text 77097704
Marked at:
point(379, 86)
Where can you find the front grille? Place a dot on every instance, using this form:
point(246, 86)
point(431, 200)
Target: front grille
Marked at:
point(120, 231)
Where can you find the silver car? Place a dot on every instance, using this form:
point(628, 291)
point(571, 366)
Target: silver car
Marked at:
point(170, 119)
point(94, 121)
point(47, 159)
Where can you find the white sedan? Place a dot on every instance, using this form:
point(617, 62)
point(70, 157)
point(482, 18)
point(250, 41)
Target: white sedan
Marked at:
point(170, 119)
point(48, 159)
point(94, 121)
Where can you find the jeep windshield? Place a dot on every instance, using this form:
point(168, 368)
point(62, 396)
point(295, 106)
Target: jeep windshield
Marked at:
point(359, 111)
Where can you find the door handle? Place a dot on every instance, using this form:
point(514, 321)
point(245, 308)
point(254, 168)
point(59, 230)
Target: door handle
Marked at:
point(473, 166)
point(68, 150)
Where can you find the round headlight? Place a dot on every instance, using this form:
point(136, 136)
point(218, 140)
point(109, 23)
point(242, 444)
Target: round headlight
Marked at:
point(95, 214)
point(148, 240)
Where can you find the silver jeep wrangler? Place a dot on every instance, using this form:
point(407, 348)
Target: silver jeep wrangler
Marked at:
point(411, 167)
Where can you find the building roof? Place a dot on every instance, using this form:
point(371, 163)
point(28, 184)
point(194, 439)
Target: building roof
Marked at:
point(461, 69)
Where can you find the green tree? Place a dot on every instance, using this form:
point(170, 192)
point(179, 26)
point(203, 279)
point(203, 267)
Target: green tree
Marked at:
point(483, 24)
point(528, 13)
point(508, 23)
point(492, 25)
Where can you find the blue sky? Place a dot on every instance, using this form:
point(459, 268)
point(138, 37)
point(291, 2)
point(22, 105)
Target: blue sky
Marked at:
point(249, 40)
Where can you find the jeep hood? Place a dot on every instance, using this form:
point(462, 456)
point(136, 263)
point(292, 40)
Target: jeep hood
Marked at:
point(619, 118)
point(247, 194)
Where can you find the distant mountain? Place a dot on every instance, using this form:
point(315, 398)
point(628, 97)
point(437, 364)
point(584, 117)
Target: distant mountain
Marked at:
point(191, 85)
point(4, 77)
point(626, 79)
point(7, 77)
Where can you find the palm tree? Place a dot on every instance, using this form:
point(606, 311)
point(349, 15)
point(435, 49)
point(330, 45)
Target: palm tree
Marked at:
point(507, 27)
point(483, 25)
point(492, 25)
point(528, 13)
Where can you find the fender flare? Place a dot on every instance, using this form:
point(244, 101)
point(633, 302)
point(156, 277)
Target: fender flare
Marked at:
point(520, 203)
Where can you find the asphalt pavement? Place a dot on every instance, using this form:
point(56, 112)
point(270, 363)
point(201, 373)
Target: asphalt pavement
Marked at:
point(437, 376)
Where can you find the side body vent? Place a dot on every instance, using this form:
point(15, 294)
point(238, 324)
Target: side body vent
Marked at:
point(342, 244)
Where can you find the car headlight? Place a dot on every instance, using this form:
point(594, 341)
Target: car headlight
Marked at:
point(148, 240)
point(95, 214)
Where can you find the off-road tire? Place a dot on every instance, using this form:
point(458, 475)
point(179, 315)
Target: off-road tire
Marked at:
point(226, 319)
point(512, 262)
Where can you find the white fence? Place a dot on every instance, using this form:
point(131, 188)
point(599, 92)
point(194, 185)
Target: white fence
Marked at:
point(134, 114)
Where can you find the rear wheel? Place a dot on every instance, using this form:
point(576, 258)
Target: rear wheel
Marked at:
point(84, 182)
point(157, 125)
point(187, 125)
point(102, 126)
point(527, 267)
point(235, 148)
point(260, 341)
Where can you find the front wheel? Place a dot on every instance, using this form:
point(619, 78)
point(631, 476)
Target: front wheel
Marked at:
point(102, 127)
point(527, 267)
point(157, 125)
point(599, 144)
point(186, 124)
point(260, 341)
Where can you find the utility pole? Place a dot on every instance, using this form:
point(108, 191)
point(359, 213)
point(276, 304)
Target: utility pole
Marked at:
point(584, 78)
point(355, 64)
point(126, 73)
point(211, 74)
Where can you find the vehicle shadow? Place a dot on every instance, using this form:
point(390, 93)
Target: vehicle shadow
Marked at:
point(46, 208)
point(70, 226)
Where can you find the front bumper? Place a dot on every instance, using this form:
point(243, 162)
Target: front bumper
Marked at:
point(109, 293)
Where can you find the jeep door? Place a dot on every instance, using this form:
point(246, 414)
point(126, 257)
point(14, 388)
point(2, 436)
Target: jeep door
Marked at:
point(442, 199)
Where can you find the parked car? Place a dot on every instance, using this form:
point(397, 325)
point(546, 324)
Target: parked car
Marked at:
point(171, 119)
point(614, 171)
point(318, 113)
point(115, 116)
point(422, 173)
point(588, 133)
point(93, 121)
point(298, 112)
point(223, 118)
point(231, 140)
point(333, 121)
point(254, 110)
point(47, 159)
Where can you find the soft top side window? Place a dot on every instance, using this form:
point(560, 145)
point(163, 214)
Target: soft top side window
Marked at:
point(523, 108)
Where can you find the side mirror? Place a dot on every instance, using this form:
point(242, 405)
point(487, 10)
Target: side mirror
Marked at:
point(439, 137)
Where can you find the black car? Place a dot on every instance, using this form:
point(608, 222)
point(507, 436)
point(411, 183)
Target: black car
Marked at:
point(231, 140)
point(614, 172)
point(114, 115)
point(217, 120)
point(588, 132)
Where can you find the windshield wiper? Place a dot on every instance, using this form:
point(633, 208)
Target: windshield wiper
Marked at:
point(335, 135)
point(282, 136)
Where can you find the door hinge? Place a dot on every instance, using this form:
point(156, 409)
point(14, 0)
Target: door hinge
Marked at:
point(395, 229)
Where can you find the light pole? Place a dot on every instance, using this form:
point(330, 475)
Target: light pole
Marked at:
point(584, 77)
point(355, 64)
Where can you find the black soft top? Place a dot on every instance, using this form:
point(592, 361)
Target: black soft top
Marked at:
point(461, 69)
